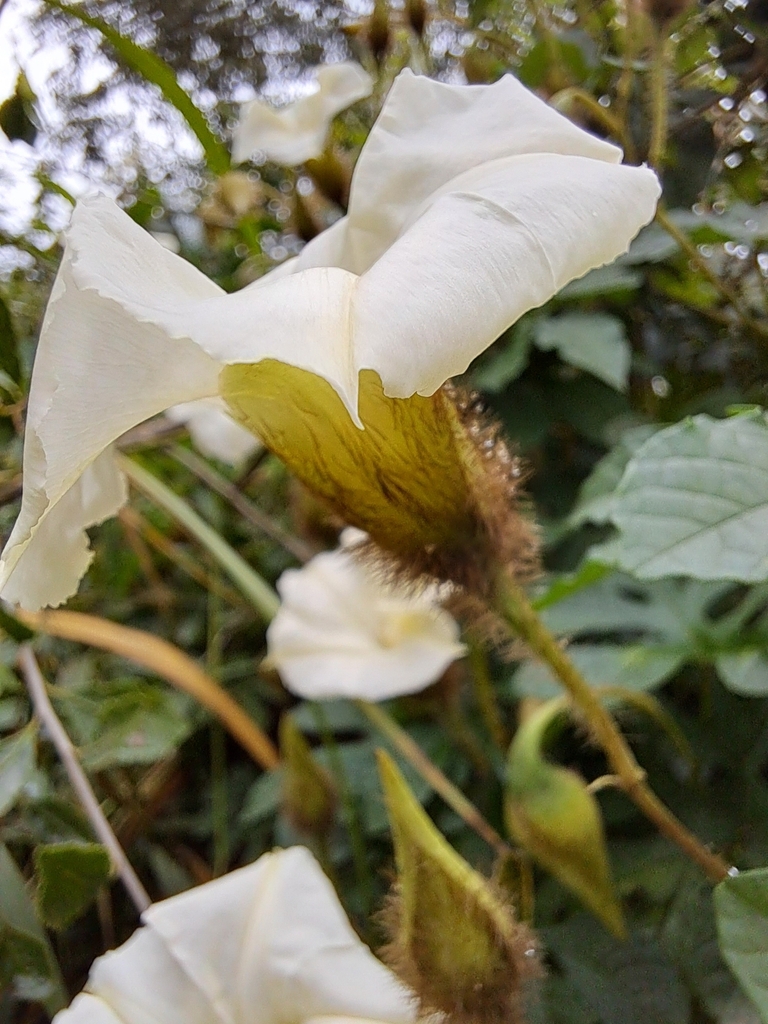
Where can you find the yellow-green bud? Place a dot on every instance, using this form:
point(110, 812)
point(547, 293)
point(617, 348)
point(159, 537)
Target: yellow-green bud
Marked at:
point(552, 814)
point(452, 937)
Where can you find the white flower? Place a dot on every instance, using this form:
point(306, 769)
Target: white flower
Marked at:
point(267, 944)
point(297, 131)
point(469, 206)
point(214, 431)
point(340, 632)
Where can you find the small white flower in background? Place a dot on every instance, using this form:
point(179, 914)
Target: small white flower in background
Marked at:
point(267, 944)
point(340, 632)
point(214, 432)
point(298, 131)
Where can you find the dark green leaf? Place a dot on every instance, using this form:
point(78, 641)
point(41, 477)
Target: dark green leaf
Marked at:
point(17, 763)
point(26, 958)
point(69, 876)
point(595, 342)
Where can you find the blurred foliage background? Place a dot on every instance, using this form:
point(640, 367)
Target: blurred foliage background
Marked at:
point(675, 328)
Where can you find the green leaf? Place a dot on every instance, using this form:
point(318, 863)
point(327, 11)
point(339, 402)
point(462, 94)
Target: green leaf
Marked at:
point(9, 356)
point(69, 876)
point(602, 281)
point(143, 724)
point(17, 764)
point(26, 958)
point(507, 360)
point(17, 119)
point(596, 493)
point(595, 342)
point(155, 70)
point(741, 908)
point(693, 501)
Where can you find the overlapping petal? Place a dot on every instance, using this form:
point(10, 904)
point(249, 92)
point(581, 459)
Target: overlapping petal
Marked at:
point(340, 632)
point(297, 132)
point(263, 945)
point(469, 206)
point(214, 432)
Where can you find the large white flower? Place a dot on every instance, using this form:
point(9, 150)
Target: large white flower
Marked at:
point(469, 206)
point(267, 944)
point(298, 131)
point(341, 632)
point(214, 431)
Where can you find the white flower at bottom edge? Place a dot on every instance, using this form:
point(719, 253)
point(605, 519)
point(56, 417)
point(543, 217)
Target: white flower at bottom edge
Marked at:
point(340, 632)
point(214, 432)
point(267, 944)
point(297, 132)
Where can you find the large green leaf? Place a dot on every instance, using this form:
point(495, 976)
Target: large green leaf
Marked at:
point(741, 908)
point(693, 501)
point(595, 342)
point(26, 959)
point(155, 70)
point(17, 764)
point(69, 876)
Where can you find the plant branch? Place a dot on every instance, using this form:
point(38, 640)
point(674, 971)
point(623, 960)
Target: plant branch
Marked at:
point(513, 604)
point(77, 777)
point(416, 757)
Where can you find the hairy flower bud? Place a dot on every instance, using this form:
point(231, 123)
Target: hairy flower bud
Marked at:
point(452, 938)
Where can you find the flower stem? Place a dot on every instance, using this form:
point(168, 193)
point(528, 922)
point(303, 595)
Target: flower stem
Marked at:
point(77, 777)
point(512, 603)
point(689, 248)
point(416, 757)
point(659, 100)
point(486, 697)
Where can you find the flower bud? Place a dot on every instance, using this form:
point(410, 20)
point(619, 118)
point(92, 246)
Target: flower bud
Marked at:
point(377, 31)
point(551, 813)
point(452, 938)
point(309, 796)
point(416, 13)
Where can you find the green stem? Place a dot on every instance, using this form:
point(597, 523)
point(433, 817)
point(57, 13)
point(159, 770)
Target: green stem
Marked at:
point(485, 695)
point(659, 100)
point(218, 748)
point(514, 606)
point(416, 757)
point(258, 591)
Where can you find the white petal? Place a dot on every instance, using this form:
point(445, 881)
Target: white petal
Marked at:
point(214, 431)
point(498, 242)
point(144, 984)
point(297, 132)
point(341, 633)
point(271, 944)
point(48, 551)
point(429, 133)
point(88, 1009)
